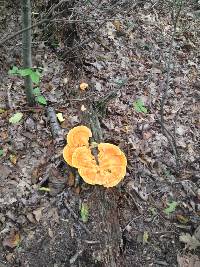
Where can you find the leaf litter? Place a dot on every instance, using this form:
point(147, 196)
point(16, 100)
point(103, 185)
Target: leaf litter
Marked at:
point(129, 56)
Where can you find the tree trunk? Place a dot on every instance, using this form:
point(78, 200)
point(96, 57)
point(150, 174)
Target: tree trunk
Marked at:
point(26, 49)
point(103, 202)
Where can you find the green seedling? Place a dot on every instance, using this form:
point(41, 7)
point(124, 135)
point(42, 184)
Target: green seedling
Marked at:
point(171, 207)
point(1, 152)
point(39, 98)
point(84, 212)
point(139, 106)
point(16, 118)
point(34, 74)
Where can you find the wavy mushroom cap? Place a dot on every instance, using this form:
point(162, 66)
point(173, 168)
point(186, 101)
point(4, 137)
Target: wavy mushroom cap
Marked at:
point(107, 148)
point(112, 162)
point(110, 170)
point(82, 157)
point(79, 136)
point(67, 154)
point(91, 175)
point(111, 155)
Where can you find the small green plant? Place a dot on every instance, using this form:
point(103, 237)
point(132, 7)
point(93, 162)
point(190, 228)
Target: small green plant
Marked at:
point(171, 207)
point(84, 212)
point(34, 74)
point(39, 97)
point(16, 118)
point(1, 152)
point(167, 173)
point(139, 106)
point(153, 211)
point(145, 237)
point(35, 77)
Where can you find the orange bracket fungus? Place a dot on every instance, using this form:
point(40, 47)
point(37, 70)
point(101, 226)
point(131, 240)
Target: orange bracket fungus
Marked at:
point(111, 166)
point(77, 137)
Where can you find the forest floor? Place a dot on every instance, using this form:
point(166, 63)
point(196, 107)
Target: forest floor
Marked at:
point(124, 48)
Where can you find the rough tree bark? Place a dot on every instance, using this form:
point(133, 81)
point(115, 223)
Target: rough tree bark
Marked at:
point(26, 49)
point(102, 201)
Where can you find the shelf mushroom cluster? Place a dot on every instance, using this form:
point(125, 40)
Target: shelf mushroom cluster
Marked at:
point(110, 167)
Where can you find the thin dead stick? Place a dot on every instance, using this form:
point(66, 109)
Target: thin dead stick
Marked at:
point(3, 41)
point(172, 141)
point(52, 9)
point(75, 257)
point(55, 127)
point(128, 224)
point(76, 217)
point(175, 124)
point(11, 104)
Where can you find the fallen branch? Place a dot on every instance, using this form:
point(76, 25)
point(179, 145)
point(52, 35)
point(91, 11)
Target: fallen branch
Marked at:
point(56, 130)
point(3, 41)
point(10, 104)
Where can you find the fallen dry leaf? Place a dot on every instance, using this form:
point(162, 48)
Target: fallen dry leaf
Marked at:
point(13, 159)
point(71, 179)
point(188, 261)
point(83, 108)
point(38, 214)
point(190, 241)
point(83, 86)
point(12, 240)
point(5, 171)
point(50, 232)
point(117, 24)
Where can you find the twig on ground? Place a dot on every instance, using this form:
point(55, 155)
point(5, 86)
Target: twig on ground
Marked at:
point(11, 104)
point(128, 224)
point(172, 141)
point(75, 257)
point(175, 124)
point(76, 217)
point(55, 127)
point(4, 40)
point(91, 242)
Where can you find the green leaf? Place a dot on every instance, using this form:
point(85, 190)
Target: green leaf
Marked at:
point(16, 118)
point(139, 106)
point(45, 189)
point(41, 100)
point(25, 72)
point(36, 91)
point(121, 82)
point(145, 237)
point(153, 211)
point(35, 76)
point(1, 152)
point(171, 207)
point(84, 212)
point(13, 71)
